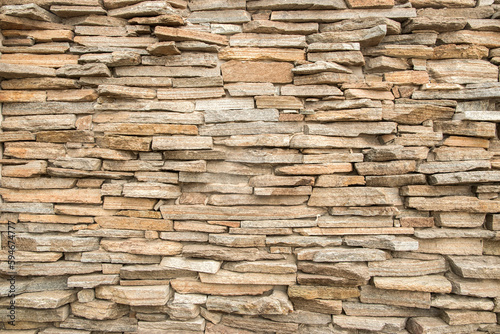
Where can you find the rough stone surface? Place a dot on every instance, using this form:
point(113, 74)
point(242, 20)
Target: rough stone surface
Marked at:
point(261, 166)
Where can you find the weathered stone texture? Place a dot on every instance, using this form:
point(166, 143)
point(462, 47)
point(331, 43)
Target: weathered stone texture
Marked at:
point(260, 166)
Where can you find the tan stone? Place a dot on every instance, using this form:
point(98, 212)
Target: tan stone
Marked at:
point(474, 287)
point(130, 223)
point(276, 303)
point(267, 41)
point(370, 4)
point(142, 246)
point(351, 196)
point(228, 277)
point(99, 310)
point(422, 325)
point(488, 39)
point(322, 292)
point(176, 34)
point(432, 283)
point(135, 296)
point(84, 196)
point(415, 299)
point(182, 285)
point(237, 71)
point(451, 246)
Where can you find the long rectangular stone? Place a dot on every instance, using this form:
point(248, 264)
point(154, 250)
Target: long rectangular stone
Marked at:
point(339, 15)
point(430, 283)
point(451, 246)
point(83, 196)
point(250, 128)
point(229, 277)
point(259, 53)
point(132, 223)
point(237, 212)
point(406, 267)
point(415, 299)
point(178, 142)
point(176, 34)
point(453, 203)
point(314, 141)
point(354, 196)
point(253, 71)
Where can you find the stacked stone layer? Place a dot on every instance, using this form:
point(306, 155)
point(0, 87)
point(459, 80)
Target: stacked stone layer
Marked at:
point(269, 166)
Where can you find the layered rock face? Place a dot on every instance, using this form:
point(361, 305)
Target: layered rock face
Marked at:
point(264, 166)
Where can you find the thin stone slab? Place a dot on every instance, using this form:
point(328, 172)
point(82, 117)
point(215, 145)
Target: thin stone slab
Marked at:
point(406, 267)
point(229, 277)
point(142, 246)
point(322, 292)
point(205, 266)
point(338, 15)
point(135, 296)
point(416, 299)
point(461, 302)
point(482, 267)
point(369, 323)
point(44, 300)
point(55, 243)
point(431, 283)
point(421, 325)
point(119, 325)
point(347, 255)
point(276, 303)
point(220, 253)
point(92, 281)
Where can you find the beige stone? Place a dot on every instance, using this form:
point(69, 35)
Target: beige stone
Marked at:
point(99, 310)
point(142, 246)
point(429, 324)
point(182, 285)
point(415, 299)
point(431, 283)
point(176, 34)
point(276, 303)
point(406, 267)
point(135, 296)
point(228, 277)
point(237, 71)
point(322, 292)
point(451, 246)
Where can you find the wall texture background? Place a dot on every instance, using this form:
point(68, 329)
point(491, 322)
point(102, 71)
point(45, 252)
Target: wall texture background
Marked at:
point(270, 166)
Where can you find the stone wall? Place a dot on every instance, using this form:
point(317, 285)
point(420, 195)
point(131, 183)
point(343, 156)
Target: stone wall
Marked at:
point(270, 166)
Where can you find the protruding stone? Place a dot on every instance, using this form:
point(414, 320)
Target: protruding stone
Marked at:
point(276, 303)
point(135, 296)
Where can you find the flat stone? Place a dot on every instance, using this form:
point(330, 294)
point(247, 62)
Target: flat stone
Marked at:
point(99, 310)
point(228, 277)
point(348, 255)
point(450, 246)
point(176, 34)
point(351, 197)
point(302, 317)
point(123, 324)
point(256, 324)
point(415, 114)
point(396, 152)
point(461, 302)
point(323, 306)
point(132, 223)
point(461, 317)
point(406, 267)
point(366, 37)
point(53, 268)
point(82, 196)
point(322, 292)
point(14, 71)
point(431, 283)
point(182, 285)
point(87, 70)
point(485, 38)
point(380, 310)
point(267, 40)
point(271, 27)
point(483, 267)
point(421, 325)
point(91, 281)
point(345, 58)
point(294, 5)
point(276, 303)
point(34, 315)
point(338, 15)
point(142, 246)
point(220, 253)
point(473, 287)
point(415, 299)
point(135, 296)
point(55, 243)
point(45, 300)
point(459, 219)
point(453, 233)
point(383, 242)
point(271, 267)
point(462, 71)
point(34, 284)
point(369, 323)
point(205, 266)
point(152, 272)
point(237, 71)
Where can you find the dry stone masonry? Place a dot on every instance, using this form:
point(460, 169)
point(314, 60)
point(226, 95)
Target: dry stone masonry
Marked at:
point(260, 166)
